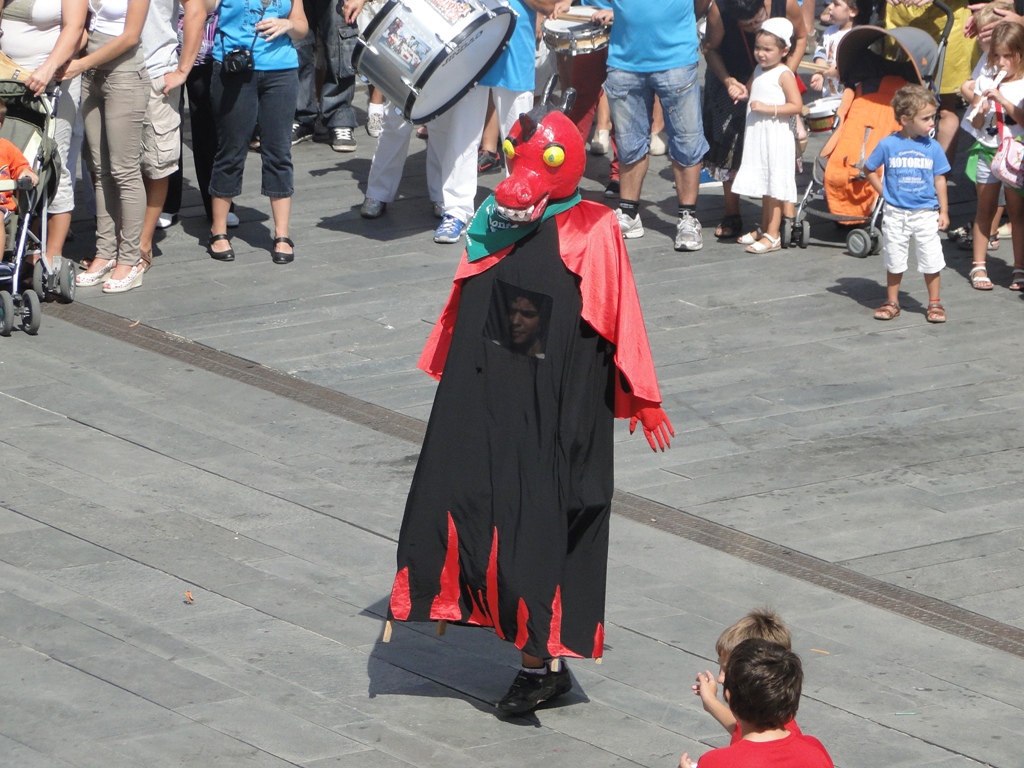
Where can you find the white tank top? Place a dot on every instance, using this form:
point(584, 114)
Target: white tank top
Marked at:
point(108, 16)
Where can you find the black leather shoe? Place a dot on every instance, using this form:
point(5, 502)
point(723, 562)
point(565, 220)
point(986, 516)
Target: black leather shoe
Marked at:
point(528, 690)
point(228, 255)
point(283, 257)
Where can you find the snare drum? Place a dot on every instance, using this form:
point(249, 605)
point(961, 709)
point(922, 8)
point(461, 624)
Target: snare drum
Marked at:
point(821, 114)
point(426, 54)
point(574, 35)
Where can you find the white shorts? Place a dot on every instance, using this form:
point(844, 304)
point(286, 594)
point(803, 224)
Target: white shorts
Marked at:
point(902, 227)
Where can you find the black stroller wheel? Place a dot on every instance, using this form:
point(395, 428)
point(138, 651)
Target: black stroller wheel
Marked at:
point(6, 313)
point(66, 280)
point(31, 312)
point(805, 233)
point(38, 278)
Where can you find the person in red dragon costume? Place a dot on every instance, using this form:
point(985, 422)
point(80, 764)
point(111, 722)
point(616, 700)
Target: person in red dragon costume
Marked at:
point(540, 346)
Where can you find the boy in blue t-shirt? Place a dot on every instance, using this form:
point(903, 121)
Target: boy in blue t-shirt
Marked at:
point(914, 188)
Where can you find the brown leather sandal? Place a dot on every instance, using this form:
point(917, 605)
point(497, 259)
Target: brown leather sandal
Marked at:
point(890, 310)
point(936, 314)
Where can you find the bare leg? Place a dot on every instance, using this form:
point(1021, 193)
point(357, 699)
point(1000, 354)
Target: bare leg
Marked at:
point(156, 195)
point(220, 207)
point(603, 121)
point(809, 18)
point(57, 228)
point(772, 218)
point(657, 117)
point(988, 200)
point(948, 127)
point(892, 287)
point(281, 207)
point(932, 282)
point(492, 130)
point(631, 177)
point(687, 180)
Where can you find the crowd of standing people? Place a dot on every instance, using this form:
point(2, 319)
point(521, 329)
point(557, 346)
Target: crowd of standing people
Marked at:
point(250, 71)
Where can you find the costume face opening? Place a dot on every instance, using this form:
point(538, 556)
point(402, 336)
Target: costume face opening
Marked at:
point(518, 319)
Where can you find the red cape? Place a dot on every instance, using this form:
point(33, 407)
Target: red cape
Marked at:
point(593, 250)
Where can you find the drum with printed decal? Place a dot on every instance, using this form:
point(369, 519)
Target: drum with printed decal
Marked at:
point(426, 54)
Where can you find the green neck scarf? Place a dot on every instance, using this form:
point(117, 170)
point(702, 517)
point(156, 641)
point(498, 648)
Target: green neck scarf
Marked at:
point(490, 232)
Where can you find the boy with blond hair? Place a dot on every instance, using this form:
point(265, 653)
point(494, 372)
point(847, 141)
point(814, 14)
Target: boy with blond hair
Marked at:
point(760, 624)
point(916, 205)
point(763, 681)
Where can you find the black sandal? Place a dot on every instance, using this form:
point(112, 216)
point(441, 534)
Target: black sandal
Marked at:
point(283, 257)
point(730, 227)
point(228, 255)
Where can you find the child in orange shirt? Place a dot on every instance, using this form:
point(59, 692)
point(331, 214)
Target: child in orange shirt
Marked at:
point(13, 165)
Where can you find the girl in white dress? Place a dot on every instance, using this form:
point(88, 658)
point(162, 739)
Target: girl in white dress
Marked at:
point(768, 167)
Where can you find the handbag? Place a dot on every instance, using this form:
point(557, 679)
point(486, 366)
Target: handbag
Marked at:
point(1008, 163)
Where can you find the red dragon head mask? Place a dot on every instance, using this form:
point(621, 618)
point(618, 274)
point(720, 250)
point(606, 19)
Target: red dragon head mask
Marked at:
point(546, 160)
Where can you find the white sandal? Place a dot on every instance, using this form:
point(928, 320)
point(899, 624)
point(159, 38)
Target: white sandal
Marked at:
point(751, 237)
point(774, 244)
point(980, 282)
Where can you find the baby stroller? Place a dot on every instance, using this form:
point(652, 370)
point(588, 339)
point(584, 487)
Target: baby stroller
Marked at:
point(873, 64)
point(30, 126)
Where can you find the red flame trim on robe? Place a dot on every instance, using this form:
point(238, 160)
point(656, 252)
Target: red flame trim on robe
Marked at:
point(555, 647)
point(446, 604)
point(598, 642)
point(522, 617)
point(401, 604)
point(492, 586)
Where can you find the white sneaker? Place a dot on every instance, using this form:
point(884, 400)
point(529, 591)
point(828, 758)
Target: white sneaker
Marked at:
point(166, 220)
point(375, 123)
point(688, 233)
point(232, 220)
point(630, 225)
point(658, 146)
point(601, 144)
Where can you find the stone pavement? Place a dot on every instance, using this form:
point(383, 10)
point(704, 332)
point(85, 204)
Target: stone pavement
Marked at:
point(880, 458)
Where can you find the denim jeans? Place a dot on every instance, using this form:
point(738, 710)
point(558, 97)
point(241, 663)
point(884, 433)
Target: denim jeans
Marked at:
point(240, 101)
point(338, 41)
point(631, 98)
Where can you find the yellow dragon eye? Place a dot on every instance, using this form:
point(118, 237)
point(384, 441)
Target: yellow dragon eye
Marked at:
point(508, 148)
point(554, 155)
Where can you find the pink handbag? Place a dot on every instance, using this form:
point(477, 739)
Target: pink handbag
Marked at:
point(1008, 163)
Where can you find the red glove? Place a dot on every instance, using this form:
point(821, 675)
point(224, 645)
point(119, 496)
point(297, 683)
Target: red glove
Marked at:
point(656, 426)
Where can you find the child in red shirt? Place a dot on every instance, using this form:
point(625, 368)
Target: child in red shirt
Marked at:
point(762, 685)
point(762, 624)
